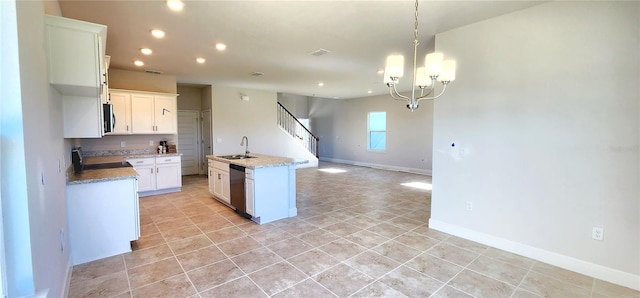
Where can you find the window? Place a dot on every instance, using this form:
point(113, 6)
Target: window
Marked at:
point(377, 131)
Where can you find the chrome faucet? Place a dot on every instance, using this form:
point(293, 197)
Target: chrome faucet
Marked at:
point(246, 148)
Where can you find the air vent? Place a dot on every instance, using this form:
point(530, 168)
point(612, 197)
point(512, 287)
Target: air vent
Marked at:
point(319, 52)
point(153, 71)
point(257, 73)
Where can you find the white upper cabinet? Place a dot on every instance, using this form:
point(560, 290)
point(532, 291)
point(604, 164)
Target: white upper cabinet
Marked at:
point(140, 112)
point(75, 54)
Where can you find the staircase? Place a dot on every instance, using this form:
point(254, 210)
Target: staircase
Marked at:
point(295, 129)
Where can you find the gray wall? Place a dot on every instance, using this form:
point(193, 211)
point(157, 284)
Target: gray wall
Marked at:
point(341, 126)
point(34, 158)
point(190, 98)
point(545, 117)
point(298, 105)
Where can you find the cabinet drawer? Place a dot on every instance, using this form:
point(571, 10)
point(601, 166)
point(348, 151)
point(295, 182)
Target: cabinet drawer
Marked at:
point(221, 166)
point(248, 173)
point(168, 159)
point(141, 161)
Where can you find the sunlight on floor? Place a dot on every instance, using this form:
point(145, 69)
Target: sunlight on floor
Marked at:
point(420, 185)
point(332, 170)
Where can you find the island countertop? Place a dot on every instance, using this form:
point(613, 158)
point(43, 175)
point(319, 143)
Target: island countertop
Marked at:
point(259, 161)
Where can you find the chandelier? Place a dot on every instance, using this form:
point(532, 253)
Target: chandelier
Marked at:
point(435, 69)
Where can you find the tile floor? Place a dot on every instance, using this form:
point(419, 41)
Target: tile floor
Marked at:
point(358, 234)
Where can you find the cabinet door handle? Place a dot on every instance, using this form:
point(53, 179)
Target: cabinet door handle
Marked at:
point(151, 170)
point(127, 127)
point(141, 161)
point(219, 176)
point(157, 170)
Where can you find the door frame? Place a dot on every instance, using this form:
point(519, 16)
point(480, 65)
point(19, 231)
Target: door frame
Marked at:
point(202, 144)
point(198, 137)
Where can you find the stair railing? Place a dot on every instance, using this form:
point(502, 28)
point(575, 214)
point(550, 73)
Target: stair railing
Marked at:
point(293, 127)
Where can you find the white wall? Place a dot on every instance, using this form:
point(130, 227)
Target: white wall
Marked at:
point(544, 115)
point(256, 119)
point(341, 125)
point(298, 105)
point(33, 189)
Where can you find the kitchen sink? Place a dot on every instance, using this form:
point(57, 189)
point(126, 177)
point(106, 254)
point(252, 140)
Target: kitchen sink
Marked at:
point(111, 165)
point(237, 156)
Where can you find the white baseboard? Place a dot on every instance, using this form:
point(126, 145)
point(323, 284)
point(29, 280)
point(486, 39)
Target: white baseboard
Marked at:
point(378, 166)
point(590, 269)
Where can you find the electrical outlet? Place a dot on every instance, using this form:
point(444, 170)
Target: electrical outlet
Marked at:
point(597, 233)
point(123, 144)
point(469, 206)
point(59, 167)
point(151, 143)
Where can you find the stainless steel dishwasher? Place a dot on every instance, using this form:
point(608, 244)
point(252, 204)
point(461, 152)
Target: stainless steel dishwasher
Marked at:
point(236, 181)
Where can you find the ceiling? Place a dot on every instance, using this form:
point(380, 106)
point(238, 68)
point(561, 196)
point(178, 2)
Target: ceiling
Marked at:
point(276, 37)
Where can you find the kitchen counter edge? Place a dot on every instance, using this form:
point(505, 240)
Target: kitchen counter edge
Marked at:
point(260, 161)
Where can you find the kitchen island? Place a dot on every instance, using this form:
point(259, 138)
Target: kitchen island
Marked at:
point(269, 185)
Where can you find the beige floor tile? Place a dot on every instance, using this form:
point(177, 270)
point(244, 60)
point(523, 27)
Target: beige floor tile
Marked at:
point(453, 254)
point(226, 234)
point(564, 275)
point(289, 247)
point(378, 289)
point(148, 241)
point(323, 220)
point(200, 258)
point(435, 267)
point(214, 274)
point(499, 270)
point(606, 289)
point(173, 224)
point(508, 257)
point(277, 277)
point(242, 287)
point(449, 292)
point(520, 293)
point(343, 280)
point(313, 261)
point(98, 268)
point(342, 249)
point(417, 241)
point(152, 272)
point(123, 295)
point(239, 246)
point(176, 286)
point(396, 251)
point(411, 283)
point(466, 244)
point(480, 285)
point(103, 286)
point(214, 225)
point(271, 236)
point(387, 230)
point(405, 223)
point(256, 259)
point(362, 221)
point(343, 229)
point(318, 237)
point(181, 233)
point(148, 229)
point(297, 228)
point(147, 255)
point(252, 227)
point(306, 288)
point(545, 286)
point(372, 264)
point(366, 238)
point(189, 244)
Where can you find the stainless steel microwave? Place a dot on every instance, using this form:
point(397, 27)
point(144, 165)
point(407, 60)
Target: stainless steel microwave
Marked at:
point(109, 118)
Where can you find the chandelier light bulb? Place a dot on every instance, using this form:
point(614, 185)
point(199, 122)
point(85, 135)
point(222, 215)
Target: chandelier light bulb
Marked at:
point(448, 71)
point(395, 66)
point(422, 80)
point(433, 64)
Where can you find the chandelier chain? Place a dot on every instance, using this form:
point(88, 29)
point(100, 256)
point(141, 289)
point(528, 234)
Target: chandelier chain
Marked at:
point(415, 30)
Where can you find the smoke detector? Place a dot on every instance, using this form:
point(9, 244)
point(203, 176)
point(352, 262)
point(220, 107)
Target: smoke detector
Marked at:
point(319, 52)
point(256, 74)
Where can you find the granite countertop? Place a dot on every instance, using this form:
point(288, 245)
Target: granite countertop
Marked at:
point(101, 175)
point(259, 161)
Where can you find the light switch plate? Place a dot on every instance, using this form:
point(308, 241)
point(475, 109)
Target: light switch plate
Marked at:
point(123, 144)
point(150, 143)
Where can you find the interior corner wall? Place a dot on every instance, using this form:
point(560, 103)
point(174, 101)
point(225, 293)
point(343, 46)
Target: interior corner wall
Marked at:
point(190, 98)
point(341, 125)
point(256, 118)
point(544, 116)
point(33, 190)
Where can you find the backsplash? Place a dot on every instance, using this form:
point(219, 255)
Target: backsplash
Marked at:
point(124, 145)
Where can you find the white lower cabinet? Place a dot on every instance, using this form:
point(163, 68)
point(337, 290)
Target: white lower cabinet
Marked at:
point(248, 191)
point(220, 181)
point(103, 219)
point(157, 175)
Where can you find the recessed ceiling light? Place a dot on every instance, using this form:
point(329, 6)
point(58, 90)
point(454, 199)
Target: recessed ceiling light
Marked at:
point(175, 5)
point(380, 71)
point(221, 47)
point(320, 84)
point(138, 63)
point(146, 51)
point(157, 33)
point(200, 60)
point(369, 91)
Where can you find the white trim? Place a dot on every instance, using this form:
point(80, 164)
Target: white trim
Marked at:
point(594, 270)
point(378, 166)
point(67, 280)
